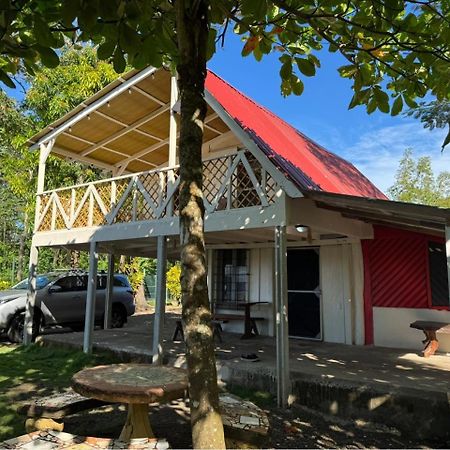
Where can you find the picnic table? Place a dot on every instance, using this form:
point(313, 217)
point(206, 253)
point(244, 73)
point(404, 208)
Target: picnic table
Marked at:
point(430, 328)
point(136, 385)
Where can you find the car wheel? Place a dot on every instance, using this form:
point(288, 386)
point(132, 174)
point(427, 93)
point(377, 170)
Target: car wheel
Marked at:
point(16, 327)
point(118, 316)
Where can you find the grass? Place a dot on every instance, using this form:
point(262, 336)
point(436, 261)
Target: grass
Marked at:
point(262, 399)
point(35, 371)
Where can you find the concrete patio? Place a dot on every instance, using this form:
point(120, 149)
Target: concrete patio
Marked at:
point(391, 386)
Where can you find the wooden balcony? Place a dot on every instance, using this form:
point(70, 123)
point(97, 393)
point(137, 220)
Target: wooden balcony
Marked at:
point(230, 183)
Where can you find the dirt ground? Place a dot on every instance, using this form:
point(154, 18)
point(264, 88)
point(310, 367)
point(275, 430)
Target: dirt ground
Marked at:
point(293, 428)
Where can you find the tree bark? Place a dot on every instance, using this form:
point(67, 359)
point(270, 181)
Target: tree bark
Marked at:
point(192, 33)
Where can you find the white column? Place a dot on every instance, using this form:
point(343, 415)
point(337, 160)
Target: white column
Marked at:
point(90, 298)
point(160, 303)
point(172, 161)
point(109, 292)
point(31, 297)
point(281, 317)
point(447, 251)
point(173, 122)
point(32, 302)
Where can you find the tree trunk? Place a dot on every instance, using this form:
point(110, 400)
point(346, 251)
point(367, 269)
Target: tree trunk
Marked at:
point(74, 259)
point(22, 243)
point(192, 33)
point(139, 299)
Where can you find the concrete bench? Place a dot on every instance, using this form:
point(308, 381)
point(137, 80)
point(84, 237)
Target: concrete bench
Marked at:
point(54, 440)
point(244, 423)
point(47, 412)
point(430, 328)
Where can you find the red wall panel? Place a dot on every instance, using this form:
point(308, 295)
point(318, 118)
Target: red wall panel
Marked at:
point(398, 272)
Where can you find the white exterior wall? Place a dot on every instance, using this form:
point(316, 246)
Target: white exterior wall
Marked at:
point(342, 283)
point(260, 289)
point(341, 273)
point(391, 327)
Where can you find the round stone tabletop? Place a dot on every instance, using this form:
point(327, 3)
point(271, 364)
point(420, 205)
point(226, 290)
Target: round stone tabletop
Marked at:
point(131, 383)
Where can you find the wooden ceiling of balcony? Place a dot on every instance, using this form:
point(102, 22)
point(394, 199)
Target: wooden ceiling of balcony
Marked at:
point(130, 131)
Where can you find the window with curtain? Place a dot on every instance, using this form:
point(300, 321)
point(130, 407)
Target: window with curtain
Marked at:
point(231, 274)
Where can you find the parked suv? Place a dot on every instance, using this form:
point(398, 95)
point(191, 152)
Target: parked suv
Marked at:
point(62, 297)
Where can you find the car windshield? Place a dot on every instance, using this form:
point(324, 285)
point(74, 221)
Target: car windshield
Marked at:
point(41, 282)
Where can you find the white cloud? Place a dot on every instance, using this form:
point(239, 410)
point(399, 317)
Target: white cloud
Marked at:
point(377, 151)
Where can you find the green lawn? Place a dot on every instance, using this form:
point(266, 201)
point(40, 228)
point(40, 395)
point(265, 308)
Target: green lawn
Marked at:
point(34, 372)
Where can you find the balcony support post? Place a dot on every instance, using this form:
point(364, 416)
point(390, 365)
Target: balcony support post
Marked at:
point(33, 304)
point(109, 292)
point(160, 306)
point(281, 314)
point(90, 298)
point(172, 161)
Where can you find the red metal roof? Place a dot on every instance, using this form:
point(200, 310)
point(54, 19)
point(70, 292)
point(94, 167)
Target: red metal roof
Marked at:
point(308, 164)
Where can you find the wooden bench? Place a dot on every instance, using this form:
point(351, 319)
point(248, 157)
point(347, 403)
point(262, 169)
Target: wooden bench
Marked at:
point(217, 329)
point(48, 412)
point(430, 328)
point(45, 440)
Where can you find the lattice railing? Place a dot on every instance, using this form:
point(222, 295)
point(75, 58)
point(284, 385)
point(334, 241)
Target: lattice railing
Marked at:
point(230, 182)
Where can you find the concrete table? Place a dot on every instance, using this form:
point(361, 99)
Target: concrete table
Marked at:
point(137, 385)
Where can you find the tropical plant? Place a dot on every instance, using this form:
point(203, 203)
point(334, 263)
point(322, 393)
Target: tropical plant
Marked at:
point(173, 282)
point(415, 182)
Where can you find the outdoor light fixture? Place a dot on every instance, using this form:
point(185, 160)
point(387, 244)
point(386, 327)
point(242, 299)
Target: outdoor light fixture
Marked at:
point(302, 228)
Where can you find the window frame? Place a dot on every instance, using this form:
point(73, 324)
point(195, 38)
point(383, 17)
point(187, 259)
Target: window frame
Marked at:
point(219, 301)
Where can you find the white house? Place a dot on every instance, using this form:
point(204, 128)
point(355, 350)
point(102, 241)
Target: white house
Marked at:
point(288, 223)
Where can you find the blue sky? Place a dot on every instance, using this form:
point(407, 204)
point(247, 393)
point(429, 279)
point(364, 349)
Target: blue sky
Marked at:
point(374, 143)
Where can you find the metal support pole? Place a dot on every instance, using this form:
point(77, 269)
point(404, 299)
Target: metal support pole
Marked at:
point(281, 311)
point(109, 292)
point(90, 298)
point(31, 297)
point(160, 306)
point(447, 251)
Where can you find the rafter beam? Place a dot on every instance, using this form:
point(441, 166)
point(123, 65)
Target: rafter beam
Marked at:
point(154, 147)
point(106, 148)
point(127, 129)
point(95, 105)
point(145, 93)
point(85, 159)
point(123, 124)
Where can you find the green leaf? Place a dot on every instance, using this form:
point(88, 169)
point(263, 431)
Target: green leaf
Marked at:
point(306, 67)
point(106, 50)
point(119, 61)
point(409, 101)
point(348, 71)
point(397, 106)
point(6, 79)
point(297, 86)
point(48, 56)
point(43, 33)
point(286, 70)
